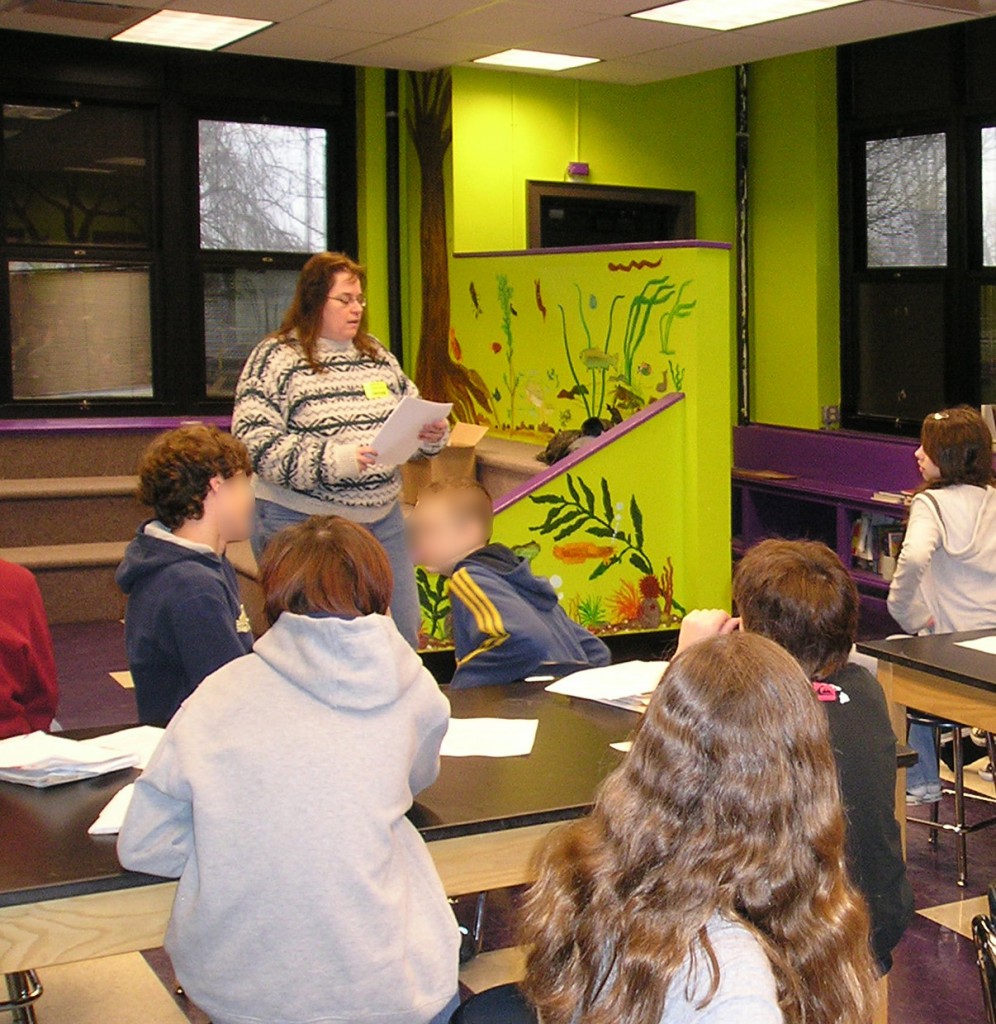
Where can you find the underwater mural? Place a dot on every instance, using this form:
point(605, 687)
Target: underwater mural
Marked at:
point(554, 342)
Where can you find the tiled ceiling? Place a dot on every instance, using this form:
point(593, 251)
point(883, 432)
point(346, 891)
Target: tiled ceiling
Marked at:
point(426, 34)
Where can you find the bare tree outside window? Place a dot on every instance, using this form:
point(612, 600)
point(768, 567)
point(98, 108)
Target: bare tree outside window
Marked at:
point(262, 187)
point(989, 197)
point(906, 201)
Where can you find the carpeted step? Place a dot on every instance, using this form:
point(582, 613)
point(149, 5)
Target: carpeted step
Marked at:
point(68, 510)
point(76, 580)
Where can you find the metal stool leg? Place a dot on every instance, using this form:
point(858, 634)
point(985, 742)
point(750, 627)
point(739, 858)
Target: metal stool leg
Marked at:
point(23, 988)
point(959, 807)
point(936, 806)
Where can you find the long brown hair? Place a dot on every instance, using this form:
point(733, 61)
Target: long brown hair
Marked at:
point(959, 444)
point(302, 323)
point(727, 804)
point(325, 564)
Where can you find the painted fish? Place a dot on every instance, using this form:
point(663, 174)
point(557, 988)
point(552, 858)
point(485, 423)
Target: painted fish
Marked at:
point(496, 395)
point(527, 551)
point(539, 298)
point(596, 359)
point(534, 392)
point(580, 551)
point(592, 301)
point(578, 389)
point(644, 369)
point(512, 310)
point(625, 398)
point(496, 347)
point(455, 345)
point(473, 298)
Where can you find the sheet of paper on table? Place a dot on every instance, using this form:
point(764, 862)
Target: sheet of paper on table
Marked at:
point(112, 816)
point(397, 440)
point(985, 644)
point(628, 685)
point(489, 737)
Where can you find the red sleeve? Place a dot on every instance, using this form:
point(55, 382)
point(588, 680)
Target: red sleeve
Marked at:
point(29, 691)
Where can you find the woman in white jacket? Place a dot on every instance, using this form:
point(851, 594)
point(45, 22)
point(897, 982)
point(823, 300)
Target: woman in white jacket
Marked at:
point(945, 579)
point(278, 798)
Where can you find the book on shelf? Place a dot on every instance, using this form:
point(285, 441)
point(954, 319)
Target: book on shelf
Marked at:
point(876, 541)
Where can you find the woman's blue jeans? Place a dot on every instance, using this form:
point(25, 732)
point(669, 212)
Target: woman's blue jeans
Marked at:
point(271, 518)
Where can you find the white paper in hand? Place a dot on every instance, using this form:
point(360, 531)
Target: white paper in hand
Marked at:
point(397, 440)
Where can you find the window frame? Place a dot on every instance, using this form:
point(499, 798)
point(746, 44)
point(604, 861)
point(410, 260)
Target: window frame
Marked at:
point(180, 88)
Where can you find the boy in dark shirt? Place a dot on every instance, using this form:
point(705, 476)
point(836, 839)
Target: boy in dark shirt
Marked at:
point(184, 616)
point(506, 621)
point(798, 594)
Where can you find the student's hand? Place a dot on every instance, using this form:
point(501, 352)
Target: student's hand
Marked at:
point(703, 623)
point(433, 433)
point(365, 457)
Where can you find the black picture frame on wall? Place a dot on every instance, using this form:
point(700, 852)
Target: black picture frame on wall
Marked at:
point(563, 214)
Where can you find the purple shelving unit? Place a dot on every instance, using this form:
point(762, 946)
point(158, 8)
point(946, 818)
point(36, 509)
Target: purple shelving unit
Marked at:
point(829, 479)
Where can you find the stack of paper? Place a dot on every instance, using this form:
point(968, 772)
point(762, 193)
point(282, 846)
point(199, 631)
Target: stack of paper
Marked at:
point(628, 685)
point(40, 760)
point(397, 440)
point(112, 816)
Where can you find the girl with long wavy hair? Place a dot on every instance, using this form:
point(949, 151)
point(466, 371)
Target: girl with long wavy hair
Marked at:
point(708, 883)
point(309, 401)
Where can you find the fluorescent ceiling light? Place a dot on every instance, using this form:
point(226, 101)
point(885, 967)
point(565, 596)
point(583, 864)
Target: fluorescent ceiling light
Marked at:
point(723, 15)
point(189, 30)
point(537, 60)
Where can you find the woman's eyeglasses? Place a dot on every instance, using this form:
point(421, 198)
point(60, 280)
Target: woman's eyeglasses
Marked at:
point(348, 300)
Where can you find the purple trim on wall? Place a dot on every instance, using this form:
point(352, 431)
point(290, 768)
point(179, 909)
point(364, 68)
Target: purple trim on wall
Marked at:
point(690, 243)
point(108, 423)
point(837, 459)
point(610, 435)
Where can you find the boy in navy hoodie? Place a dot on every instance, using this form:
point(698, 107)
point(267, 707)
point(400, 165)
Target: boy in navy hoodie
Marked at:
point(506, 621)
point(184, 618)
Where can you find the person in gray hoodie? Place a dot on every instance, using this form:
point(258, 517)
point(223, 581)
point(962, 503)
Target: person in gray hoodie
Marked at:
point(278, 797)
point(945, 578)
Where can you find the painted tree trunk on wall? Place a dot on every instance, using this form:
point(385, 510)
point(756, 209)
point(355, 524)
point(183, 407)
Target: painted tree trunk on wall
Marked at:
point(439, 377)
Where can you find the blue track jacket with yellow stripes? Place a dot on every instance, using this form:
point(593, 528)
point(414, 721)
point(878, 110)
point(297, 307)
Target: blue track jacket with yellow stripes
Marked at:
point(507, 622)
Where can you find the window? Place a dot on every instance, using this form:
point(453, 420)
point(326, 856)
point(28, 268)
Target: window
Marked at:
point(263, 188)
point(906, 201)
point(156, 207)
point(80, 330)
point(917, 137)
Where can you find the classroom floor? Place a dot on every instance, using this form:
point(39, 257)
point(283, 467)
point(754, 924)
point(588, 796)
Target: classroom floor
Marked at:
point(934, 979)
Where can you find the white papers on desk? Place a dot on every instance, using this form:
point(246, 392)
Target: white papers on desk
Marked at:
point(628, 685)
point(489, 737)
point(112, 816)
point(397, 440)
point(985, 644)
point(40, 760)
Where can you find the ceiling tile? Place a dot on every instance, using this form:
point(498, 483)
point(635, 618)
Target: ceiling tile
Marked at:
point(413, 54)
point(392, 17)
point(287, 40)
point(622, 72)
point(21, 22)
point(624, 37)
point(501, 25)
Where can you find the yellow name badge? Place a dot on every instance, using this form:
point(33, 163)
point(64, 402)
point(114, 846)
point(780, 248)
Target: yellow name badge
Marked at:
point(377, 389)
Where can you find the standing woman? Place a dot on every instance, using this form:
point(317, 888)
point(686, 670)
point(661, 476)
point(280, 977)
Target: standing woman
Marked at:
point(945, 579)
point(310, 400)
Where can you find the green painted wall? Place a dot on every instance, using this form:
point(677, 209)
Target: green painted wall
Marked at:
point(372, 194)
point(509, 128)
point(795, 324)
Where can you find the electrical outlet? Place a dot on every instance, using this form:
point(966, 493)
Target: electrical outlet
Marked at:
point(830, 415)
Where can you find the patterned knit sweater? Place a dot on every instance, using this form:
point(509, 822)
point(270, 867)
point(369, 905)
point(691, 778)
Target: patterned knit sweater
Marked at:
point(302, 428)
